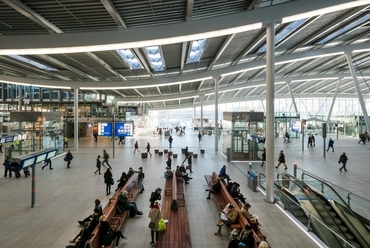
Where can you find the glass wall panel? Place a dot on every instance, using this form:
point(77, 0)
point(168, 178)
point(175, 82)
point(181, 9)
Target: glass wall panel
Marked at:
point(45, 94)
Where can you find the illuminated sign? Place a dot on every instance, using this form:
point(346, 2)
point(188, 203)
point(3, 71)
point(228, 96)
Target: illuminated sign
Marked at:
point(28, 162)
point(105, 128)
point(124, 129)
point(52, 154)
point(41, 158)
point(296, 126)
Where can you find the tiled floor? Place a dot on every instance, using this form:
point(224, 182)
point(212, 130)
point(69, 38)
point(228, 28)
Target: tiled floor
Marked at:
point(67, 195)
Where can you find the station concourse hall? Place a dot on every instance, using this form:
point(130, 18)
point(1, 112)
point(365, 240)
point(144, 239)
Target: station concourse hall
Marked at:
point(64, 196)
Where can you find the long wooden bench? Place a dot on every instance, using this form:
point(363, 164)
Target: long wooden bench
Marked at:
point(110, 210)
point(177, 234)
point(223, 198)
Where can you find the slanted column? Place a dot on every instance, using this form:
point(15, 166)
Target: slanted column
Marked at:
point(358, 90)
point(270, 98)
point(334, 98)
point(75, 128)
point(201, 113)
point(291, 95)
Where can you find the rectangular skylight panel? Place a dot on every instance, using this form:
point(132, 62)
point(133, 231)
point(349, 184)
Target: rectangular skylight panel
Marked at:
point(130, 59)
point(32, 62)
point(196, 50)
point(343, 30)
point(283, 33)
point(154, 55)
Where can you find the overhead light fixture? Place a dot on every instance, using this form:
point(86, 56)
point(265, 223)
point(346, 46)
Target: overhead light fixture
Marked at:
point(32, 62)
point(323, 11)
point(309, 57)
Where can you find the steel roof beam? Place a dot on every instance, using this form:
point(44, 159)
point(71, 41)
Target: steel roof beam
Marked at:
point(104, 64)
point(108, 5)
point(189, 9)
point(221, 50)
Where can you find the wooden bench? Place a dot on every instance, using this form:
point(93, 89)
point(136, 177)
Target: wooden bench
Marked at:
point(177, 234)
point(222, 199)
point(115, 219)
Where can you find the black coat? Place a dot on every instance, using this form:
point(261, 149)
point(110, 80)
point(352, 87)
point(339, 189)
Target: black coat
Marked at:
point(108, 177)
point(154, 196)
point(281, 158)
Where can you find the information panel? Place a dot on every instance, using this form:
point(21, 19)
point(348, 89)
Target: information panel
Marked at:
point(52, 154)
point(41, 158)
point(28, 162)
point(124, 129)
point(105, 128)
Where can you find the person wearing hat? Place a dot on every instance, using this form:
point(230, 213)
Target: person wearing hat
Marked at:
point(281, 160)
point(155, 216)
point(107, 235)
point(155, 196)
point(141, 177)
point(124, 203)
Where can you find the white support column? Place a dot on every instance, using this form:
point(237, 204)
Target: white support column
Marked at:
point(270, 98)
point(201, 113)
point(216, 113)
point(291, 95)
point(20, 97)
point(358, 90)
point(194, 116)
point(334, 98)
point(75, 128)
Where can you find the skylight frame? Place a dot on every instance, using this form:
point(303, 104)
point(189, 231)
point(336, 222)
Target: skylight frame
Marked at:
point(32, 62)
point(196, 50)
point(155, 58)
point(130, 59)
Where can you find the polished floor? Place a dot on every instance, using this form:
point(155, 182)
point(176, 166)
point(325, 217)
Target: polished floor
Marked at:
point(64, 196)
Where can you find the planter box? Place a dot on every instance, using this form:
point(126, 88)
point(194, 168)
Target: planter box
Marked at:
point(160, 153)
point(156, 150)
point(195, 155)
point(191, 153)
point(144, 155)
point(174, 155)
point(170, 153)
point(165, 150)
point(202, 151)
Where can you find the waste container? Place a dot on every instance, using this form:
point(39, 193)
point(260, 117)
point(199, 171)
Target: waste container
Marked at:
point(228, 154)
point(252, 180)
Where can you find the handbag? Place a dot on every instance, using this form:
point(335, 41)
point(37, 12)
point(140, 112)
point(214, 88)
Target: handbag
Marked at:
point(161, 225)
point(151, 225)
point(65, 158)
point(111, 181)
point(107, 239)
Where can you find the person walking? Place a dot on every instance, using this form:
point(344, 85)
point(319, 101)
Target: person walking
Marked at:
point(199, 136)
point(108, 180)
point(1, 147)
point(287, 138)
point(98, 165)
point(281, 160)
point(343, 159)
point(330, 145)
point(65, 142)
point(95, 136)
point(141, 177)
point(8, 167)
point(309, 141)
point(106, 158)
point(68, 158)
point(136, 147)
point(121, 140)
point(148, 148)
point(169, 161)
point(170, 139)
point(46, 163)
point(186, 153)
point(155, 196)
point(263, 156)
point(155, 216)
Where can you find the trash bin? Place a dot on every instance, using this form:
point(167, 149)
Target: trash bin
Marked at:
point(228, 154)
point(252, 180)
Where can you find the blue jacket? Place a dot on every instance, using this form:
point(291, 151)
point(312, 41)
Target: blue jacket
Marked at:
point(331, 143)
point(223, 171)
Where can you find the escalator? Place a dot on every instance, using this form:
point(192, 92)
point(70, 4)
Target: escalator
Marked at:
point(325, 211)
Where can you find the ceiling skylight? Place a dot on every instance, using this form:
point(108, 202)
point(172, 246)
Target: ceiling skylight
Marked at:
point(32, 62)
point(154, 54)
point(283, 33)
point(130, 59)
point(343, 30)
point(196, 50)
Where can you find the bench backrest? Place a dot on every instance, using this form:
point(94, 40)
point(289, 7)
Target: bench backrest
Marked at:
point(174, 204)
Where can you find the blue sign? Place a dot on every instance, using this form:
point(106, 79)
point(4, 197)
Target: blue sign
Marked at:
point(105, 128)
point(9, 139)
point(124, 129)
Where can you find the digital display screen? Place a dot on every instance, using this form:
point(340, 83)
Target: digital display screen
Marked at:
point(296, 126)
point(28, 162)
point(41, 158)
point(124, 129)
point(52, 154)
point(105, 128)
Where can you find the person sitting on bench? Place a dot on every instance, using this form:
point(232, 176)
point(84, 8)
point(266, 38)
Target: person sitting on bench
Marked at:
point(90, 225)
point(253, 220)
point(124, 203)
point(235, 193)
point(184, 174)
point(246, 236)
point(107, 235)
point(168, 173)
point(228, 216)
point(224, 175)
point(216, 188)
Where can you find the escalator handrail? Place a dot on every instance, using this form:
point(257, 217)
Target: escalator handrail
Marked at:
point(329, 183)
point(309, 199)
point(286, 193)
